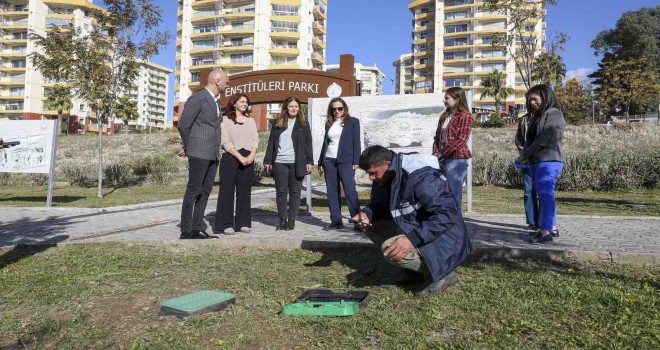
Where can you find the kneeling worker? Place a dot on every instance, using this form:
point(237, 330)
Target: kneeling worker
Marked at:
point(413, 217)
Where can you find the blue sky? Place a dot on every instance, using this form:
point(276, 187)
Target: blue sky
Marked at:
point(378, 31)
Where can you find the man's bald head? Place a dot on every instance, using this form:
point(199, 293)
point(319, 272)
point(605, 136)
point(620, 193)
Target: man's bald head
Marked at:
point(217, 81)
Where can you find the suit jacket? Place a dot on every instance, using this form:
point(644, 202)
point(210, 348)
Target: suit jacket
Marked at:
point(199, 126)
point(302, 146)
point(349, 143)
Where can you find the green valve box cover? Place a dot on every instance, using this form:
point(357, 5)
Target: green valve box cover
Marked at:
point(196, 303)
point(312, 308)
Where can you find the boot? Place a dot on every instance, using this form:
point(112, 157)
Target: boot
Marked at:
point(291, 224)
point(282, 225)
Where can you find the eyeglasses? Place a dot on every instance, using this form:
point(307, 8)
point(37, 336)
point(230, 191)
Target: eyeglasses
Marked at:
point(340, 109)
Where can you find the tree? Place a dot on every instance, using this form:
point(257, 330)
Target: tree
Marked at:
point(126, 109)
point(548, 68)
point(494, 85)
point(522, 46)
point(59, 98)
point(101, 63)
point(635, 35)
point(575, 101)
point(628, 82)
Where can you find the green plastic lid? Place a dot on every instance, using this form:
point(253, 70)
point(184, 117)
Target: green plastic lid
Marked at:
point(197, 301)
point(311, 308)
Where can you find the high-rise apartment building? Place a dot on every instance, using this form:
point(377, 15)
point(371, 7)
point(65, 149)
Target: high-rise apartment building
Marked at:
point(22, 87)
point(239, 36)
point(150, 95)
point(370, 78)
point(453, 46)
point(403, 80)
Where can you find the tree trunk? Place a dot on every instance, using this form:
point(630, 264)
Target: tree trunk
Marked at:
point(628, 112)
point(100, 127)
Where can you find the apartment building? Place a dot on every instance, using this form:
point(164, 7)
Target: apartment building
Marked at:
point(403, 80)
point(370, 78)
point(22, 88)
point(239, 36)
point(150, 95)
point(453, 46)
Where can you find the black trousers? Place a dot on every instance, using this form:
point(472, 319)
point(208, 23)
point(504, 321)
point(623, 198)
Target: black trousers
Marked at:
point(234, 178)
point(201, 174)
point(287, 184)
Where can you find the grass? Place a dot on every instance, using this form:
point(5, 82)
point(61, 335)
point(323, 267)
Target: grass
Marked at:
point(106, 296)
point(491, 200)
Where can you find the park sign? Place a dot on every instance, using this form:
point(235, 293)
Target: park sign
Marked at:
point(275, 85)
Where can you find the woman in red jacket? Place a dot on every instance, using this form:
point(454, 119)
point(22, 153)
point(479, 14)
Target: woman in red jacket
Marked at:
point(450, 142)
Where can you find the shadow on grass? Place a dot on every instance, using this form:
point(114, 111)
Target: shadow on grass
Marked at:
point(597, 201)
point(30, 237)
point(37, 199)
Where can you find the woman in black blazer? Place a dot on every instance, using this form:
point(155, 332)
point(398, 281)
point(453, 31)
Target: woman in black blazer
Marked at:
point(289, 155)
point(339, 158)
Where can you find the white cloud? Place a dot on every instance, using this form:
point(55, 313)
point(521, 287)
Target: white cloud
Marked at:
point(580, 74)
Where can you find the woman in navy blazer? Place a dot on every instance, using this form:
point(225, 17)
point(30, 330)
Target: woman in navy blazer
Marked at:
point(339, 158)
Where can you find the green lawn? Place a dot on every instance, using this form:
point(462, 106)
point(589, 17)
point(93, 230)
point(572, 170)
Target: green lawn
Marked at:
point(495, 200)
point(106, 296)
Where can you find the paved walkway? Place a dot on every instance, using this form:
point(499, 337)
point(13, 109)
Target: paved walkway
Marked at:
point(606, 238)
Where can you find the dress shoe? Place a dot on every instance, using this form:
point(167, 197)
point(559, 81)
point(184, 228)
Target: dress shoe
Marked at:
point(402, 277)
point(437, 287)
point(193, 235)
point(208, 235)
point(334, 226)
point(282, 225)
point(540, 238)
point(244, 229)
point(290, 225)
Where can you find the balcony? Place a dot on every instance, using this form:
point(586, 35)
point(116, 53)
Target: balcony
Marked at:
point(22, 24)
point(318, 28)
point(284, 50)
point(317, 58)
point(318, 43)
point(319, 12)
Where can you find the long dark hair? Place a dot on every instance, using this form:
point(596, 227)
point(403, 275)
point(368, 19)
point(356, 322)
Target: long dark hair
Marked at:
point(283, 119)
point(458, 94)
point(548, 99)
point(331, 116)
point(230, 110)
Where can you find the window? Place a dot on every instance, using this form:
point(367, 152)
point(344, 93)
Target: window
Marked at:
point(202, 61)
point(457, 55)
point(456, 28)
point(18, 63)
point(487, 40)
point(423, 23)
point(424, 73)
point(493, 66)
point(203, 44)
point(194, 77)
point(424, 85)
point(424, 10)
point(285, 10)
point(455, 82)
point(424, 33)
point(456, 42)
point(493, 53)
point(21, 35)
point(247, 41)
point(456, 15)
point(284, 26)
point(529, 29)
point(423, 60)
point(458, 2)
point(204, 29)
point(17, 91)
point(241, 58)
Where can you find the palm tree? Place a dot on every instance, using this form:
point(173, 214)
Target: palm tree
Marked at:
point(494, 85)
point(549, 69)
point(126, 109)
point(59, 98)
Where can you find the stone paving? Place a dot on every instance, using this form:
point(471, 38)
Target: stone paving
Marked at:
point(605, 238)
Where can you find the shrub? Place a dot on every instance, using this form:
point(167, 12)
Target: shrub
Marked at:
point(78, 175)
point(5, 179)
point(258, 173)
point(160, 173)
point(494, 121)
point(147, 165)
point(118, 174)
point(37, 179)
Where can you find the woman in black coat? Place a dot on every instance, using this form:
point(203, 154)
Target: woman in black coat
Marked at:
point(289, 156)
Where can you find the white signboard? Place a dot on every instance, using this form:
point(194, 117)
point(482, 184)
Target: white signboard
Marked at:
point(34, 153)
point(402, 123)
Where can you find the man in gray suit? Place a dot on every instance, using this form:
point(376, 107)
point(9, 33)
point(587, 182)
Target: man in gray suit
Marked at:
point(199, 127)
